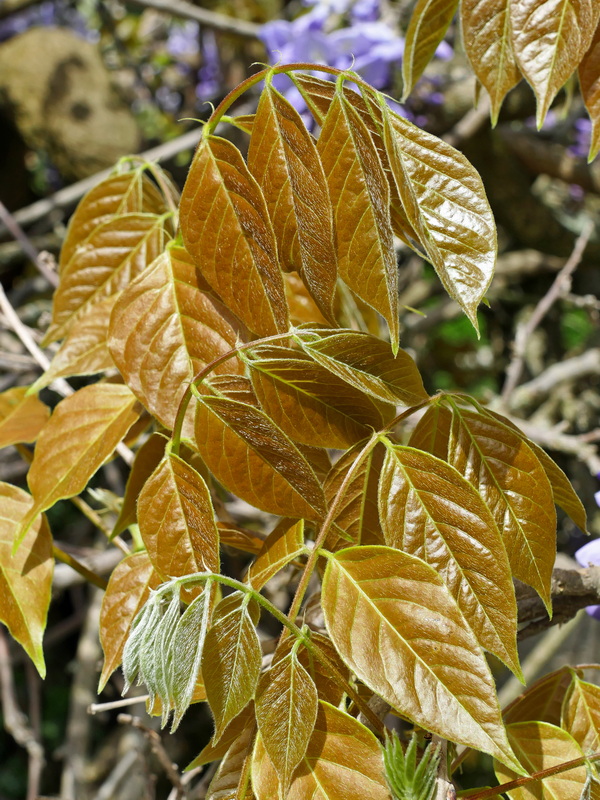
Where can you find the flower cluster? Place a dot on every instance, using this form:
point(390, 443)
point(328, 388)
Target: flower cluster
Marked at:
point(589, 556)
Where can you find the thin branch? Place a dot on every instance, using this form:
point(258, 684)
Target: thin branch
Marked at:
point(159, 750)
point(588, 363)
point(86, 573)
point(96, 708)
point(524, 332)
point(42, 262)
point(16, 723)
point(211, 19)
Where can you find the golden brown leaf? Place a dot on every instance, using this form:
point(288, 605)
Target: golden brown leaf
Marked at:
point(543, 700)
point(360, 195)
point(127, 591)
point(581, 715)
point(26, 576)
point(429, 22)
point(216, 750)
point(427, 509)
point(241, 538)
point(549, 40)
point(367, 363)
point(589, 80)
point(253, 458)
point(282, 545)
point(487, 37)
point(343, 760)
point(80, 436)
point(232, 779)
point(400, 631)
point(177, 521)
point(310, 403)
point(283, 158)
point(22, 416)
point(115, 253)
point(540, 746)
point(164, 330)
point(146, 460)
point(286, 712)
point(227, 231)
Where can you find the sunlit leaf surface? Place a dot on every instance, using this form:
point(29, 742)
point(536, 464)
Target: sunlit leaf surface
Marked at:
point(543, 700)
point(227, 231)
point(581, 715)
point(343, 760)
point(282, 545)
point(428, 24)
point(26, 576)
point(398, 628)
point(22, 416)
point(429, 510)
point(232, 779)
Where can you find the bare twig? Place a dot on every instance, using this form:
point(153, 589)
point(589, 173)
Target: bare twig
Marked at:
point(41, 262)
point(524, 332)
point(159, 750)
point(211, 19)
point(572, 369)
point(472, 121)
point(96, 708)
point(16, 722)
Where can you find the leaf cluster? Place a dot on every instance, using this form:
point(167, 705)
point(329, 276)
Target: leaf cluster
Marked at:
point(507, 40)
point(237, 333)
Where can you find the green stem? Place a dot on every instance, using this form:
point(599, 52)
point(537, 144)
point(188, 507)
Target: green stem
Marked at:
point(312, 648)
point(495, 791)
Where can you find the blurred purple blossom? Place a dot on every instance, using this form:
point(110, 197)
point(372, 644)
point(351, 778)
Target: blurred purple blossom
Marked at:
point(51, 12)
point(184, 39)
point(209, 74)
point(589, 556)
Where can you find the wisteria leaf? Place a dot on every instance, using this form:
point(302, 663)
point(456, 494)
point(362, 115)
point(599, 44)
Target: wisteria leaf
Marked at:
point(231, 659)
point(549, 40)
point(145, 462)
point(581, 714)
point(589, 80)
point(428, 24)
point(428, 509)
point(542, 701)
point(343, 760)
point(114, 254)
point(227, 231)
point(539, 746)
point(367, 363)
point(216, 750)
point(177, 520)
point(487, 38)
point(127, 591)
point(26, 576)
point(398, 628)
point(360, 195)
point(286, 711)
point(253, 458)
point(232, 779)
point(283, 158)
point(22, 416)
point(79, 437)
point(310, 403)
point(164, 330)
point(282, 545)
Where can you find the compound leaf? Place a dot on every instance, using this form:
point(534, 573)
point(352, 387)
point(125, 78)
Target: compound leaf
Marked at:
point(400, 631)
point(286, 711)
point(127, 591)
point(343, 761)
point(252, 457)
point(367, 363)
point(22, 416)
point(79, 437)
point(360, 195)
point(177, 520)
point(26, 576)
point(283, 158)
point(540, 746)
point(549, 40)
point(429, 22)
point(232, 659)
point(164, 330)
point(282, 545)
point(227, 232)
point(487, 37)
point(429, 510)
point(310, 403)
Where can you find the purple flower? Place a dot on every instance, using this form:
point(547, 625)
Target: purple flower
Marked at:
point(183, 39)
point(589, 556)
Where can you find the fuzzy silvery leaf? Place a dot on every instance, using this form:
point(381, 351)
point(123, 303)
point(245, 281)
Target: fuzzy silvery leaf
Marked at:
point(147, 619)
